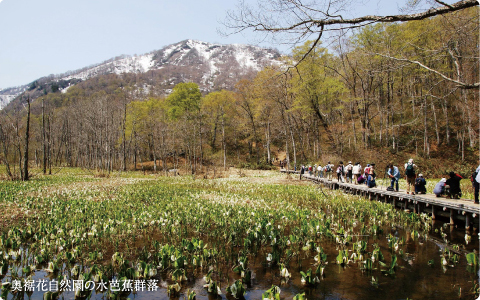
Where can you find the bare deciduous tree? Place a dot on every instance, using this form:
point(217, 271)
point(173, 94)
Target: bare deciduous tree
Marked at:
point(294, 21)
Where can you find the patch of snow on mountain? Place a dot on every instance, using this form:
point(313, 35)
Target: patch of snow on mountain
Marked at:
point(5, 99)
point(66, 89)
point(168, 51)
point(129, 64)
point(202, 48)
point(146, 61)
point(136, 64)
point(245, 57)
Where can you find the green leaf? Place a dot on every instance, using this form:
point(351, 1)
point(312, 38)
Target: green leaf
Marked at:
point(472, 259)
point(299, 297)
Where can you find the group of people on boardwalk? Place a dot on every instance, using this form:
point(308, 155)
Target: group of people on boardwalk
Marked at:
point(416, 184)
point(350, 173)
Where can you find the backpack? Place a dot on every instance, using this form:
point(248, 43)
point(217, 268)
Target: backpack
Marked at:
point(328, 168)
point(339, 170)
point(390, 189)
point(367, 171)
point(409, 171)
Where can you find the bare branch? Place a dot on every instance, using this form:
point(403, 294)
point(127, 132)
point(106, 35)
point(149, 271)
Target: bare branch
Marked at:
point(311, 48)
point(404, 18)
point(258, 22)
point(443, 3)
point(460, 84)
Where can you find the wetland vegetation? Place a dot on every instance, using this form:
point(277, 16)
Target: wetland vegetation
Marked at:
point(262, 235)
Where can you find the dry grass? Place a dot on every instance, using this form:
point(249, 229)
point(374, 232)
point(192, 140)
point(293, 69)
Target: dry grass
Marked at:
point(10, 214)
point(260, 177)
point(98, 190)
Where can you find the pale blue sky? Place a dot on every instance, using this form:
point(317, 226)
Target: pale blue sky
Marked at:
point(42, 37)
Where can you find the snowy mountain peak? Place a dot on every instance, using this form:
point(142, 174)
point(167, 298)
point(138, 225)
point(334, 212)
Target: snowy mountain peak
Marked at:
point(211, 66)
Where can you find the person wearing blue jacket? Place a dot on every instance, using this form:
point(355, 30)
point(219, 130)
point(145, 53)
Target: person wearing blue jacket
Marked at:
point(394, 175)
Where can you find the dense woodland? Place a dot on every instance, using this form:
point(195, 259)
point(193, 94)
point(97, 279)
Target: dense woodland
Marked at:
point(386, 92)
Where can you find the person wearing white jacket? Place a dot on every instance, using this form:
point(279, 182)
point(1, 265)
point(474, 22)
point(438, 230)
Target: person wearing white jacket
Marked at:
point(319, 171)
point(356, 171)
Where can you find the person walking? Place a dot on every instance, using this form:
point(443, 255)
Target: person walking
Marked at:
point(394, 175)
point(371, 176)
point(319, 171)
point(356, 171)
point(302, 171)
point(329, 171)
point(410, 175)
point(476, 183)
point(349, 170)
point(366, 170)
point(340, 172)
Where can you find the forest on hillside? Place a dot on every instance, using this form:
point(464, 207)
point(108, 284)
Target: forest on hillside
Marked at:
point(388, 92)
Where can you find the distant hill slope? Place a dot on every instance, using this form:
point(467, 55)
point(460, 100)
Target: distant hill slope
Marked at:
point(8, 94)
point(212, 66)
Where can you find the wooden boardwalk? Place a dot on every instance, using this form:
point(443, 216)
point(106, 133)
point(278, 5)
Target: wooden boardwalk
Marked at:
point(462, 210)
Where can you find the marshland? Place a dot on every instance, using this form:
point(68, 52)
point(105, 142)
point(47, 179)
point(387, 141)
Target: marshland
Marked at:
point(91, 202)
point(255, 234)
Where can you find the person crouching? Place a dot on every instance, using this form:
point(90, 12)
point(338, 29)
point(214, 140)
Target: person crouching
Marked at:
point(439, 189)
point(420, 185)
point(452, 187)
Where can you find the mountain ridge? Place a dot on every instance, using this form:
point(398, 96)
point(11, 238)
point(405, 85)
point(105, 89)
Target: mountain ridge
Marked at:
point(212, 66)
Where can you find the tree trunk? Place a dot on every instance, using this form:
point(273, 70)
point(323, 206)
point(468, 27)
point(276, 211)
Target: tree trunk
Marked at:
point(224, 145)
point(3, 139)
point(43, 139)
point(437, 132)
point(124, 137)
point(27, 136)
point(269, 158)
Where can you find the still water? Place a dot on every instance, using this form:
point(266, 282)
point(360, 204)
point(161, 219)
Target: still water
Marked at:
point(415, 276)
